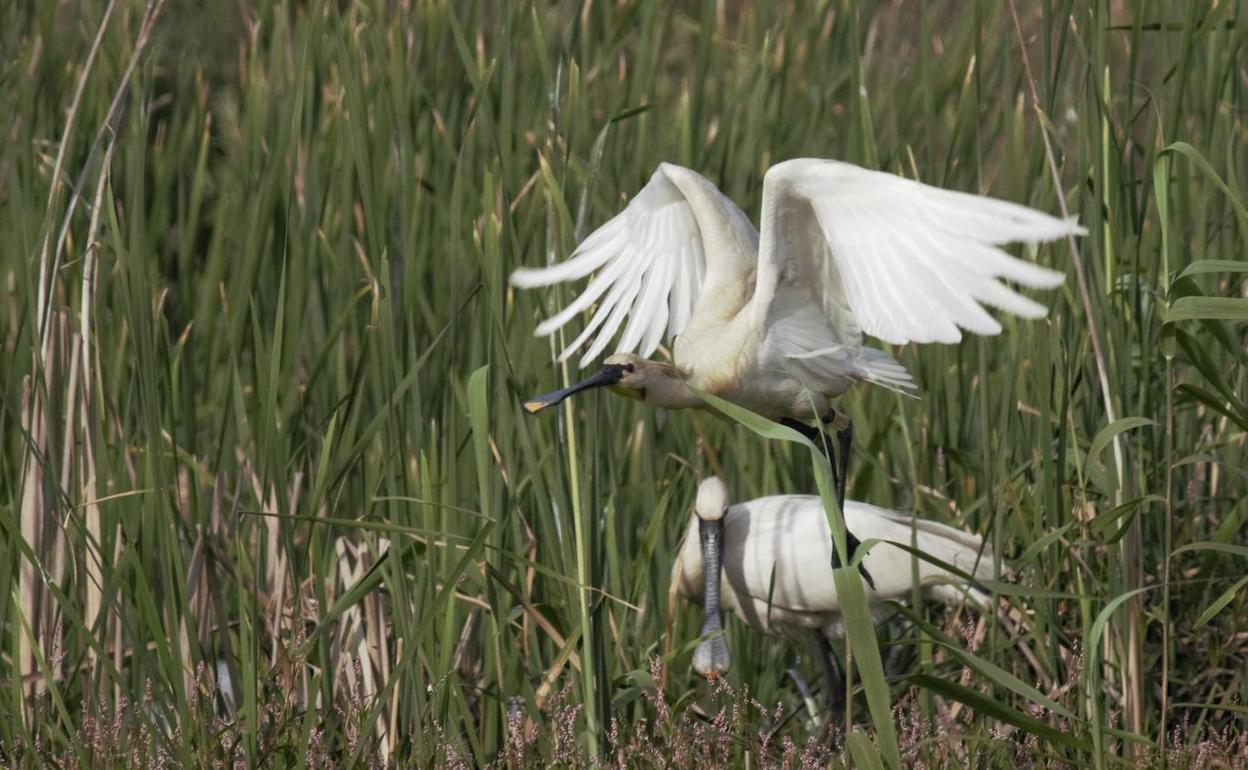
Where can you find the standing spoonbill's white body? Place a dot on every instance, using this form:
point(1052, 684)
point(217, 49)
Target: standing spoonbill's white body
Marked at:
point(774, 320)
point(768, 561)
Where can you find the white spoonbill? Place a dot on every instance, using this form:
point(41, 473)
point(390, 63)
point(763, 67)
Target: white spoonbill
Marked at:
point(775, 321)
point(777, 575)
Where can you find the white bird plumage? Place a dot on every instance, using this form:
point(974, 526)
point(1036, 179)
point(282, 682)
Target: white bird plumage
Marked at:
point(769, 561)
point(843, 252)
point(786, 537)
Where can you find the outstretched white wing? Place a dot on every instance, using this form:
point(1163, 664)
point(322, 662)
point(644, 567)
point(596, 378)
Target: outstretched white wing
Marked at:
point(896, 259)
point(649, 263)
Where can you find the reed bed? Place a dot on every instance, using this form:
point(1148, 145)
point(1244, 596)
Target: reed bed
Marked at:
point(267, 495)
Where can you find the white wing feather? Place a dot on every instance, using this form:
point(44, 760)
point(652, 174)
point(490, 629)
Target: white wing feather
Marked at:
point(650, 262)
point(908, 262)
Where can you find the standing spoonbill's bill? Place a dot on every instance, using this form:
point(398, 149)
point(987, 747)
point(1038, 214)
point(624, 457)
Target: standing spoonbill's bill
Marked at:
point(775, 321)
point(768, 561)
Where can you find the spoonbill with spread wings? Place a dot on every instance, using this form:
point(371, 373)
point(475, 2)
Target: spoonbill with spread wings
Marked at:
point(774, 321)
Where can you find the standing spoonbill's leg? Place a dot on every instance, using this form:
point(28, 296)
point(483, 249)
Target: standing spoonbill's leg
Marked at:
point(803, 689)
point(710, 658)
point(833, 677)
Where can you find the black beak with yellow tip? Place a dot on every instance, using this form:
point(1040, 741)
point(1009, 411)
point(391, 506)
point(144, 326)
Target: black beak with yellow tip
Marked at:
point(608, 375)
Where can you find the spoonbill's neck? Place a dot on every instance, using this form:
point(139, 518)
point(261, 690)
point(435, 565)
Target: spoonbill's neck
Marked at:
point(669, 391)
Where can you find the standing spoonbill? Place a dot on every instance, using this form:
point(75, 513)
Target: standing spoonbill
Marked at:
point(775, 321)
point(768, 561)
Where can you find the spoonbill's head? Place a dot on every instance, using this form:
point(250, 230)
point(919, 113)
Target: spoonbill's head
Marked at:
point(626, 374)
point(712, 500)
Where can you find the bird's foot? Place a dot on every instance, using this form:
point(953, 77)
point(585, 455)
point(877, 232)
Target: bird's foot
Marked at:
point(711, 658)
point(833, 680)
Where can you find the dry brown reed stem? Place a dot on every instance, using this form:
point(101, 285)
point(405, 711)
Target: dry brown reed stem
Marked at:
point(36, 506)
point(45, 290)
point(33, 417)
point(93, 556)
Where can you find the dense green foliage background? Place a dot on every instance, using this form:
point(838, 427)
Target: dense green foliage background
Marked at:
point(263, 469)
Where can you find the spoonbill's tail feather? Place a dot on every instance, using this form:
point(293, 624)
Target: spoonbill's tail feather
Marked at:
point(814, 351)
point(963, 550)
point(883, 369)
point(817, 369)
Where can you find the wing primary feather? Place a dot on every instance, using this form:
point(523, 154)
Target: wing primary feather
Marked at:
point(656, 318)
point(601, 282)
point(992, 220)
point(653, 288)
point(614, 297)
point(613, 322)
point(588, 257)
point(1002, 297)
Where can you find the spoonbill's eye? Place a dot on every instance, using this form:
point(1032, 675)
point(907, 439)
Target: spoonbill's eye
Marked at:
point(630, 368)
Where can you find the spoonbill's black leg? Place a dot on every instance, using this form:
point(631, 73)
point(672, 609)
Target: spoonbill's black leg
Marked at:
point(838, 460)
point(821, 440)
point(833, 678)
point(710, 658)
point(845, 437)
point(803, 689)
point(814, 435)
point(845, 440)
point(851, 545)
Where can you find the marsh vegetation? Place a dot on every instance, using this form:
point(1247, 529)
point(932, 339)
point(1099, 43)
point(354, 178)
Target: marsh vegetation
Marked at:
point(267, 492)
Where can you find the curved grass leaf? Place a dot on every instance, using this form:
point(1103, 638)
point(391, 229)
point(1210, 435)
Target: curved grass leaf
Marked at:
point(1192, 154)
point(989, 707)
point(860, 626)
point(1238, 550)
point(1208, 308)
point(866, 756)
point(1105, 435)
point(774, 430)
point(1220, 603)
point(1092, 671)
point(1202, 266)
